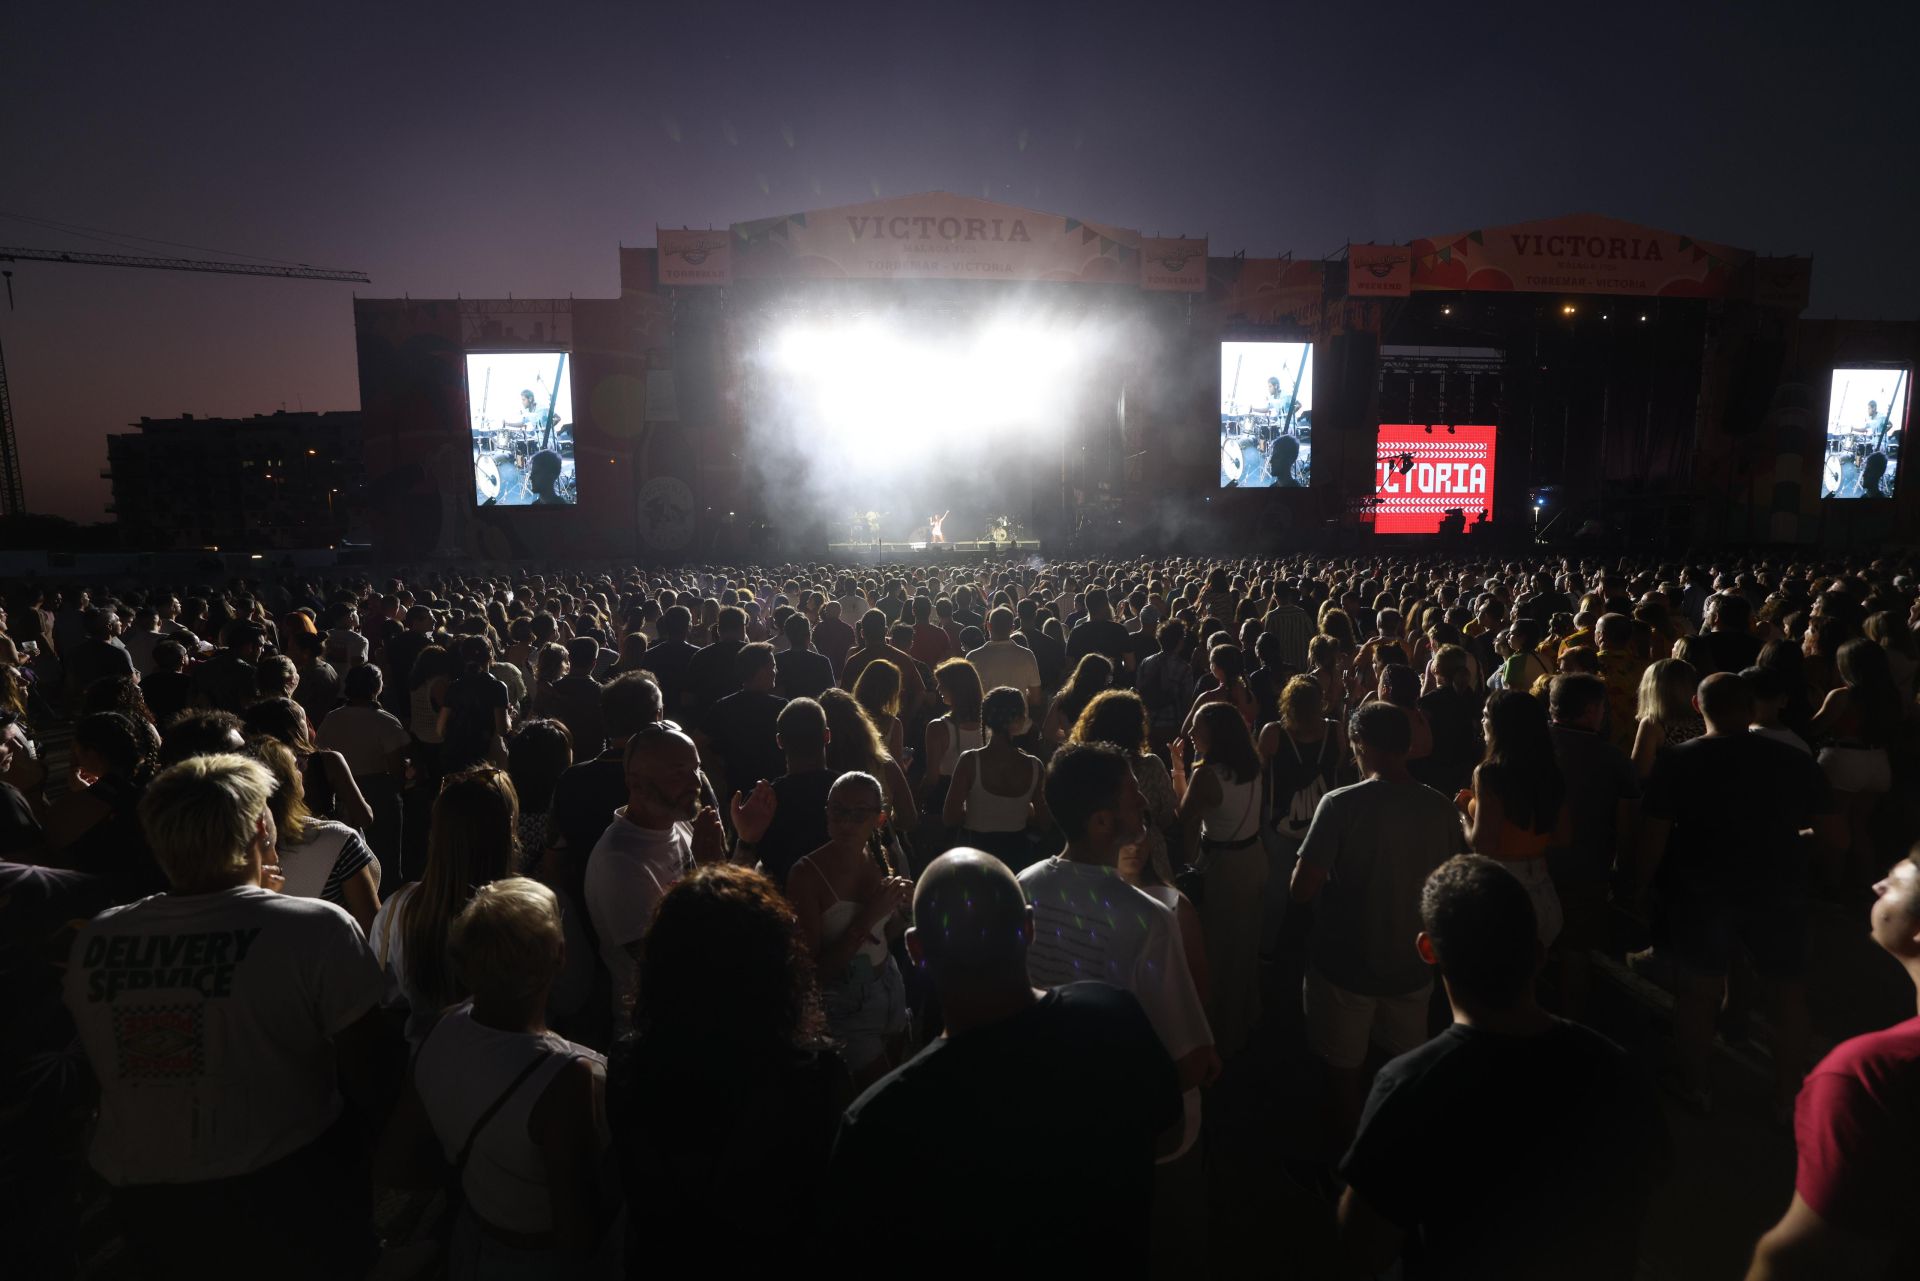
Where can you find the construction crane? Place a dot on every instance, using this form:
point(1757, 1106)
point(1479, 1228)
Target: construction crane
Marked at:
point(12, 495)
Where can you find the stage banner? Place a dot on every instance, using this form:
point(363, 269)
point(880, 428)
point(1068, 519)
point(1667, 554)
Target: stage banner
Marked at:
point(1424, 473)
point(1379, 271)
point(1173, 265)
point(1786, 283)
point(694, 257)
point(936, 236)
point(1581, 254)
point(1268, 291)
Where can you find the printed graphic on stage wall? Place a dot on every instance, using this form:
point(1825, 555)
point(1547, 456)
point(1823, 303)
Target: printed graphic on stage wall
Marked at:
point(1866, 432)
point(1266, 415)
point(1432, 479)
point(520, 416)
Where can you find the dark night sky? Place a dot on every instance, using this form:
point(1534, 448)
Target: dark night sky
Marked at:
point(485, 149)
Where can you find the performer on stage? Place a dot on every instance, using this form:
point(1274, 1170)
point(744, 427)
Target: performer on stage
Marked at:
point(934, 534)
point(532, 416)
point(1877, 424)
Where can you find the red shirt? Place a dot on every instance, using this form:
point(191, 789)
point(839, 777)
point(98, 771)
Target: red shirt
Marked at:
point(1858, 1127)
point(931, 644)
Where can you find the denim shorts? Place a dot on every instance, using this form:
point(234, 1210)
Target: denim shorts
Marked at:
point(865, 1007)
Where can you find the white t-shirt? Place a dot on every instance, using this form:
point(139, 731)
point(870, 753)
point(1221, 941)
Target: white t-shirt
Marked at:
point(1088, 924)
point(209, 1020)
point(1006, 663)
point(139, 646)
point(389, 945)
point(366, 736)
point(630, 868)
point(344, 640)
point(515, 681)
point(320, 865)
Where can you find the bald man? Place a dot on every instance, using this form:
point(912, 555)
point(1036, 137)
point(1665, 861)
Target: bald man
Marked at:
point(654, 840)
point(1045, 1105)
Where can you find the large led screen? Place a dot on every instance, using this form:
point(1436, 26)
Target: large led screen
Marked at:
point(1430, 478)
point(1266, 415)
point(520, 417)
point(1866, 431)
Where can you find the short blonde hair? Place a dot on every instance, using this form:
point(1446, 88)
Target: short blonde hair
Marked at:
point(507, 941)
point(200, 816)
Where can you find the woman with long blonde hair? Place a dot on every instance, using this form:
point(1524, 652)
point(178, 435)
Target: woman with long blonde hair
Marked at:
point(1665, 711)
point(878, 692)
point(854, 744)
point(473, 842)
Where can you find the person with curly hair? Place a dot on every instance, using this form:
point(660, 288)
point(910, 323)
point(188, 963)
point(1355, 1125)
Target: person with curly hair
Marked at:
point(728, 1080)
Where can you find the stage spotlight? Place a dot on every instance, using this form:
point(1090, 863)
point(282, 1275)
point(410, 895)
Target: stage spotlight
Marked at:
point(1643, 320)
point(1568, 310)
point(1446, 311)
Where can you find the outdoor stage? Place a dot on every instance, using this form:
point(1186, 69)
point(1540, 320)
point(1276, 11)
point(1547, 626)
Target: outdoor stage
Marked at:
point(927, 551)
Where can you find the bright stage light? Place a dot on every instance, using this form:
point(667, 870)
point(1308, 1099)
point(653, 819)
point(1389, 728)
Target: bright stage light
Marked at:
point(864, 384)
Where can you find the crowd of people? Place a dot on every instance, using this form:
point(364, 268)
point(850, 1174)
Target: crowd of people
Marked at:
point(594, 922)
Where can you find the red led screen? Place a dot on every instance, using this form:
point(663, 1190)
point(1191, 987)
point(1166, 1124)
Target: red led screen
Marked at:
point(1421, 473)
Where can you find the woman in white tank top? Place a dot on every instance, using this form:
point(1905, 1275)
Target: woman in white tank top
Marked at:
point(524, 1106)
point(1222, 810)
point(996, 793)
point(849, 907)
point(958, 683)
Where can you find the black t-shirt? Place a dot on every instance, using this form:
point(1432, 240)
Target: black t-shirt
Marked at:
point(668, 661)
point(1511, 1156)
point(803, 673)
point(692, 1130)
point(741, 729)
point(20, 831)
point(39, 907)
point(1102, 637)
point(799, 825)
point(400, 653)
point(472, 699)
point(1737, 803)
point(1732, 651)
point(167, 695)
point(711, 677)
point(1055, 1111)
point(227, 682)
point(1455, 721)
point(1051, 657)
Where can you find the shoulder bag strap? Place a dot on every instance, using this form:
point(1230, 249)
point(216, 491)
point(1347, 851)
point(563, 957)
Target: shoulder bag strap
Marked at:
point(460, 1162)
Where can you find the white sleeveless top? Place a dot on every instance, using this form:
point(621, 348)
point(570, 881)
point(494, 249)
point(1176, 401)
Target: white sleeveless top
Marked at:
point(425, 717)
point(992, 812)
point(838, 919)
point(1237, 814)
point(958, 741)
point(462, 1068)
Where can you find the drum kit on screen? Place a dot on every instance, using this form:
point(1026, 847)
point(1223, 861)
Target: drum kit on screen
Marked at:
point(500, 445)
